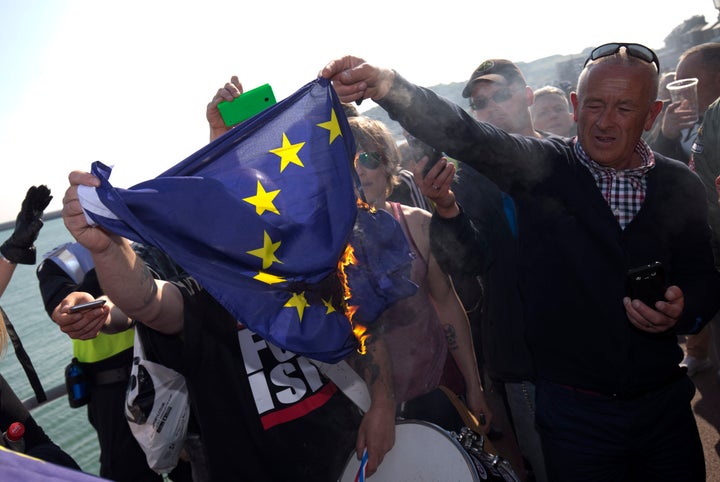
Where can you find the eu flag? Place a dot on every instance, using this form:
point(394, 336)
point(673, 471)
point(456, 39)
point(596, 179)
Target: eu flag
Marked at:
point(260, 217)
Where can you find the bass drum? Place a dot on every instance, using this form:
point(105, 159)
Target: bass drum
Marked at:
point(423, 452)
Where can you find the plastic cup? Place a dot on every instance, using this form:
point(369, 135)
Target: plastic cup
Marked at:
point(685, 91)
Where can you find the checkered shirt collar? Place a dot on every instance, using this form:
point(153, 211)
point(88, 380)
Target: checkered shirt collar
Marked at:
point(625, 189)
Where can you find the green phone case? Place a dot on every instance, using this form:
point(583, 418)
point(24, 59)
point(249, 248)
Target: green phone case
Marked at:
point(247, 105)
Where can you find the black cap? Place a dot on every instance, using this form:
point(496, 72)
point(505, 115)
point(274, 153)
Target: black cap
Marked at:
point(494, 70)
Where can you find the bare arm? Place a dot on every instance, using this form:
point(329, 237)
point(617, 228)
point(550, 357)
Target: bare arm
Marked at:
point(123, 276)
point(377, 429)
point(457, 332)
point(452, 316)
point(7, 268)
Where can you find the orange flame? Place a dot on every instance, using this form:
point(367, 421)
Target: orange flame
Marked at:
point(359, 330)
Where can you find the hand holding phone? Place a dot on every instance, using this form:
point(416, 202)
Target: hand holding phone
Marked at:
point(646, 283)
point(248, 104)
point(419, 150)
point(86, 306)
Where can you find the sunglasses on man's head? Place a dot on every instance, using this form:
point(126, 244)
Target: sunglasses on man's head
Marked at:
point(634, 50)
point(368, 160)
point(480, 102)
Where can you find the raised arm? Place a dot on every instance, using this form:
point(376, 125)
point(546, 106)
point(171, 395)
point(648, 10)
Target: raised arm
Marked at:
point(19, 248)
point(227, 93)
point(123, 276)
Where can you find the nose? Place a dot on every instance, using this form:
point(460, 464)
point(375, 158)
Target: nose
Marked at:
point(605, 119)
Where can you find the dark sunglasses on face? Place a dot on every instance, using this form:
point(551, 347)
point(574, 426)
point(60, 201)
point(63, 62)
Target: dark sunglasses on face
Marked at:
point(368, 160)
point(635, 50)
point(502, 95)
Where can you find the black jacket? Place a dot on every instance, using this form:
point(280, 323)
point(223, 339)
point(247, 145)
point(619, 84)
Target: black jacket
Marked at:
point(573, 254)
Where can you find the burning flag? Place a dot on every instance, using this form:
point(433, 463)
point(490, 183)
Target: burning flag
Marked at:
point(377, 267)
point(260, 217)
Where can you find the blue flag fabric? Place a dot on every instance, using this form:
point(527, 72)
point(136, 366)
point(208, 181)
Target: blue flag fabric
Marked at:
point(260, 217)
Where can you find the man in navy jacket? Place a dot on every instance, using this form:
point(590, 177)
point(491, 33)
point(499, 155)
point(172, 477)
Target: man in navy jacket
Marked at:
point(612, 401)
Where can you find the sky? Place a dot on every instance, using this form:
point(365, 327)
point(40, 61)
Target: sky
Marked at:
point(127, 83)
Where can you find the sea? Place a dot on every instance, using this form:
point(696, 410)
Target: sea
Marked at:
point(50, 351)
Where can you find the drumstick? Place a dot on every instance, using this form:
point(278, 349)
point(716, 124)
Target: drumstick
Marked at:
point(360, 477)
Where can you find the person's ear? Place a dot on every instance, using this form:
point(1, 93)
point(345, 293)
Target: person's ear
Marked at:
point(575, 103)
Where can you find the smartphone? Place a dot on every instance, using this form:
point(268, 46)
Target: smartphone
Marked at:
point(247, 105)
point(646, 283)
point(420, 150)
point(86, 306)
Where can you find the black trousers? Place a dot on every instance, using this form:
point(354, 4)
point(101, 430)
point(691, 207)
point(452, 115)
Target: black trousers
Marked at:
point(592, 437)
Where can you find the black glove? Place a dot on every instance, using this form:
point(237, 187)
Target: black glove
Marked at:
point(19, 247)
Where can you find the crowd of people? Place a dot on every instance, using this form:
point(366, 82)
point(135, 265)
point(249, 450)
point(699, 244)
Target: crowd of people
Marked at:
point(523, 212)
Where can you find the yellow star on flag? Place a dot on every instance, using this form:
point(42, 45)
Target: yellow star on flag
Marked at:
point(288, 153)
point(263, 200)
point(328, 304)
point(331, 125)
point(267, 252)
point(298, 302)
point(268, 278)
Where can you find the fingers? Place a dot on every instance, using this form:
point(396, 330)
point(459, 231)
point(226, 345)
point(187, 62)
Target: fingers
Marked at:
point(436, 184)
point(37, 200)
point(228, 92)
point(43, 198)
point(440, 176)
point(83, 178)
point(659, 318)
point(334, 67)
point(634, 310)
point(80, 326)
point(350, 77)
point(234, 80)
point(444, 177)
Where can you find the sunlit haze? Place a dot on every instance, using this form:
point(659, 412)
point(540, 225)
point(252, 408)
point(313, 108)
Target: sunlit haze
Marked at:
point(127, 82)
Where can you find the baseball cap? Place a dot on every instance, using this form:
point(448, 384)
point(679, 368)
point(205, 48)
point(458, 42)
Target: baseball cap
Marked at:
point(494, 70)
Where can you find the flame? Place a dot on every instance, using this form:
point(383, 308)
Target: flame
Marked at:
point(363, 205)
point(346, 259)
point(359, 330)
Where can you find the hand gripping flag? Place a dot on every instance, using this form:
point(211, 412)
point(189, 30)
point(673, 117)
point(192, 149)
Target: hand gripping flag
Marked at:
point(260, 217)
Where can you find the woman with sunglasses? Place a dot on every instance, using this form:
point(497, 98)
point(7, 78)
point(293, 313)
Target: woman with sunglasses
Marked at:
point(612, 401)
point(418, 331)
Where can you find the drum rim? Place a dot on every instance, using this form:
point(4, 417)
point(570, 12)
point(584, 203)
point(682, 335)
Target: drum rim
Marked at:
point(447, 434)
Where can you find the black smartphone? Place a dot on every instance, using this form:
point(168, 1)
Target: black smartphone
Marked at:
point(420, 150)
point(247, 105)
point(86, 306)
point(646, 283)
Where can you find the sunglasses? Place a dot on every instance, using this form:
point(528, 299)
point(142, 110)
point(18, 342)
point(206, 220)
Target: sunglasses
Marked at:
point(368, 160)
point(502, 95)
point(635, 50)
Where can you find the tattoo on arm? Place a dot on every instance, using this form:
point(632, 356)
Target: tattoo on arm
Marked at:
point(371, 368)
point(373, 373)
point(451, 337)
